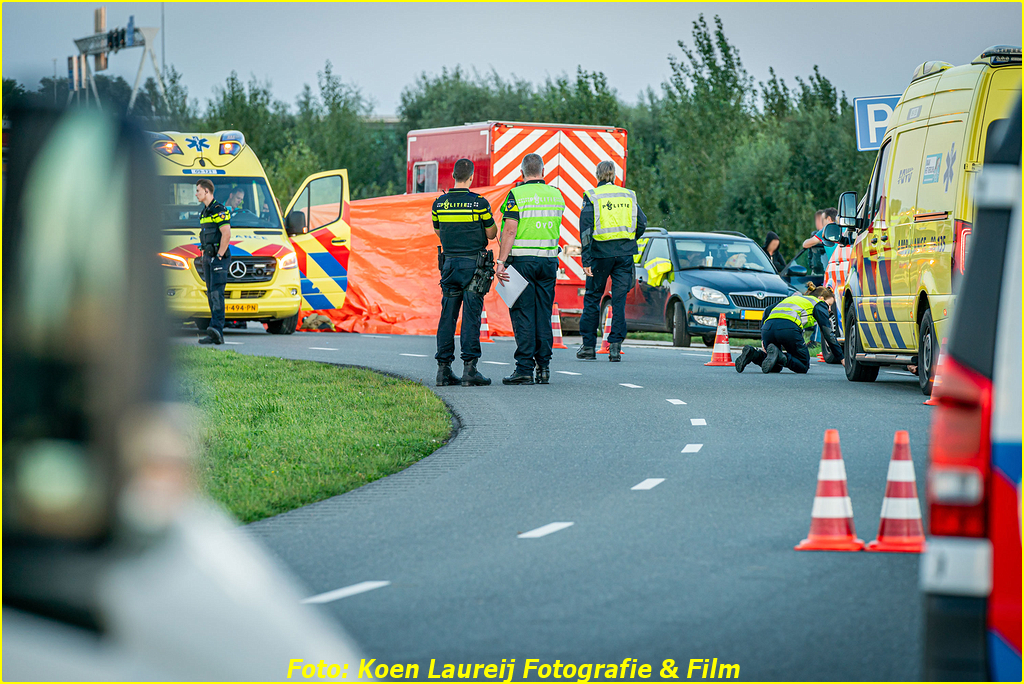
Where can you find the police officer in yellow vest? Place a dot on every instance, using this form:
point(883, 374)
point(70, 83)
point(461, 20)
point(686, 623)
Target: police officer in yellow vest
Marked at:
point(611, 221)
point(782, 334)
point(532, 216)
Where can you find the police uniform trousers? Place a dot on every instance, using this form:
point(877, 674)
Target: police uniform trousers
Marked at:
point(455, 276)
point(621, 270)
point(215, 273)
point(788, 336)
point(531, 313)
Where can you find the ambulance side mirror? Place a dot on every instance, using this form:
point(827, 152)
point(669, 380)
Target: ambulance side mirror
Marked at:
point(296, 223)
point(831, 233)
point(847, 216)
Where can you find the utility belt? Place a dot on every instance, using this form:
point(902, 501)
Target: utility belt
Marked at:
point(482, 278)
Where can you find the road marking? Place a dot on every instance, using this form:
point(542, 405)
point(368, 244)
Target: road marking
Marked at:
point(236, 343)
point(691, 448)
point(912, 375)
point(698, 421)
point(544, 531)
point(324, 348)
point(568, 373)
point(378, 337)
point(497, 363)
point(419, 356)
point(703, 356)
point(677, 402)
point(649, 483)
point(631, 386)
point(345, 592)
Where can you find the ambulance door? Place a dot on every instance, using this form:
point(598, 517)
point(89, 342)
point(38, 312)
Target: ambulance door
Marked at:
point(316, 224)
point(897, 303)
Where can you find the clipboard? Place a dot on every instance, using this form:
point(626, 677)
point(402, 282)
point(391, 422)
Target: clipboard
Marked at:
point(510, 291)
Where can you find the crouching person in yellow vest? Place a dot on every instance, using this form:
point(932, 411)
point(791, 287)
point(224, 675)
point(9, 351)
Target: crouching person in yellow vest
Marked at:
point(532, 217)
point(782, 335)
point(610, 223)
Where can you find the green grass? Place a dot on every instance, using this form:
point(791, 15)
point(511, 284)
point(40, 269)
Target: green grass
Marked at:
point(279, 434)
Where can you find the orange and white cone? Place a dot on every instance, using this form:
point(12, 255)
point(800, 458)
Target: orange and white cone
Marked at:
point(720, 355)
point(485, 331)
point(900, 529)
point(556, 328)
point(933, 400)
point(607, 331)
point(832, 513)
point(821, 358)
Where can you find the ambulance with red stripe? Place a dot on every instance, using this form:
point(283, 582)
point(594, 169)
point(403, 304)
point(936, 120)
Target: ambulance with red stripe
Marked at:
point(571, 154)
point(911, 240)
point(278, 268)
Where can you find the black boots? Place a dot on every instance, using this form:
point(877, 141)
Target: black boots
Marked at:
point(213, 336)
point(471, 377)
point(543, 376)
point(746, 356)
point(445, 376)
point(586, 353)
point(518, 378)
point(773, 357)
point(615, 351)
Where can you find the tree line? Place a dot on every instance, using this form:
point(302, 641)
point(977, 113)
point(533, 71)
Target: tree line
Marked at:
point(709, 149)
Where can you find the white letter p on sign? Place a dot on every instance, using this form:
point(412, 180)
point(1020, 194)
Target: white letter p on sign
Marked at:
point(875, 123)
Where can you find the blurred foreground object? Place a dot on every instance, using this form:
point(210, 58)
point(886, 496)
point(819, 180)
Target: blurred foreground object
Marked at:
point(113, 568)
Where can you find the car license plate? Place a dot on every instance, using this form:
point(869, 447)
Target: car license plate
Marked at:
point(752, 314)
point(241, 308)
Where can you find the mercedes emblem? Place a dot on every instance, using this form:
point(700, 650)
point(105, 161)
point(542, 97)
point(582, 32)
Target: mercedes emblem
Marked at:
point(237, 269)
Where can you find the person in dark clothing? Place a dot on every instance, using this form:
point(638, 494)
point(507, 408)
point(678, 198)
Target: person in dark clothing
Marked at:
point(782, 335)
point(611, 221)
point(462, 220)
point(771, 248)
point(215, 241)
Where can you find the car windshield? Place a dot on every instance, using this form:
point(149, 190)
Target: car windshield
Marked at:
point(724, 253)
point(248, 199)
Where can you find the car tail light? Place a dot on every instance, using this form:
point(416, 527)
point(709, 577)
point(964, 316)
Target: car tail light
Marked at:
point(960, 452)
point(961, 236)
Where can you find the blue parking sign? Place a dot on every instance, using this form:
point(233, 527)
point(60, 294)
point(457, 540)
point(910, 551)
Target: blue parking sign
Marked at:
point(872, 116)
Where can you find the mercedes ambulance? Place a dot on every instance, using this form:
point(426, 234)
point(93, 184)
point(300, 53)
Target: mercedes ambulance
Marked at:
point(912, 237)
point(276, 269)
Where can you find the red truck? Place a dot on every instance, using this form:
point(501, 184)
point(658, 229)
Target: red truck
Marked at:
point(570, 152)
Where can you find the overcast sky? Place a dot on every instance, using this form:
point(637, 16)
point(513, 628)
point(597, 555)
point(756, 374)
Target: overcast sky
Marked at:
point(864, 49)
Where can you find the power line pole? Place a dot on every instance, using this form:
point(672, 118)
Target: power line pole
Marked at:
point(163, 46)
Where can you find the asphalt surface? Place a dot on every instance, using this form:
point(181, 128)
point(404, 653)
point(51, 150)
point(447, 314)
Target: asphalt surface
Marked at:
point(699, 566)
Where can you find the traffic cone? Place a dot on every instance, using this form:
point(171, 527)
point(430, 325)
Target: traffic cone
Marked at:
point(821, 357)
point(720, 355)
point(607, 331)
point(485, 332)
point(900, 528)
point(933, 400)
point(556, 328)
point(832, 513)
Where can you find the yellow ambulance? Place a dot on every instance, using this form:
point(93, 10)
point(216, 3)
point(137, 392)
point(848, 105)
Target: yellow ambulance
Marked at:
point(911, 235)
point(276, 268)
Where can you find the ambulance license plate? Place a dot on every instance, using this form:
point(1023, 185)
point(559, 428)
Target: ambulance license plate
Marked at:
point(752, 314)
point(241, 308)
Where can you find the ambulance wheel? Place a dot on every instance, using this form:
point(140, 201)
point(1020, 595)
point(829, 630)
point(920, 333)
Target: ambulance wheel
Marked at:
point(284, 326)
point(927, 353)
point(856, 371)
point(680, 335)
point(708, 340)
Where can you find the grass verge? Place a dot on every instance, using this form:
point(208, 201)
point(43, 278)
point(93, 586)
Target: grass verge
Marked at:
point(279, 434)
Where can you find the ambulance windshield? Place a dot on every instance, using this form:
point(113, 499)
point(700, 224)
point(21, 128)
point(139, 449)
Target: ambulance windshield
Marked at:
point(248, 199)
point(721, 253)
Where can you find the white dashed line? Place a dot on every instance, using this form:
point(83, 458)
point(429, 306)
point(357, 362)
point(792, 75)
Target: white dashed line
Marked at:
point(324, 348)
point(235, 343)
point(631, 386)
point(568, 373)
point(691, 448)
point(419, 356)
point(703, 356)
point(345, 592)
point(544, 531)
point(649, 483)
point(677, 402)
point(497, 363)
point(698, 421)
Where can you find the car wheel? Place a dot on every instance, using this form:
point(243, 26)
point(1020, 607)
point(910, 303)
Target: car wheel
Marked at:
point(680, 335)
point(927, 353)
point(708, 340)
point(202, 323)
point(283, 326)
point(856, 371)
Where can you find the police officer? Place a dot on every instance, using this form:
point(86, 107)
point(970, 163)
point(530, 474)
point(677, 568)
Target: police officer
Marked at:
point(532, 216)
point(611, 221)
point(782, 334)
point(214, 238)
point(463, 221)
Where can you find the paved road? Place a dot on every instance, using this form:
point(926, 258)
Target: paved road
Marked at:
point(699, 566)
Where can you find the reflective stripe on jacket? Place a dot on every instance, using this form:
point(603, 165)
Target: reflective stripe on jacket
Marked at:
point(614, 212)
point(798, 308)
point(540, 218)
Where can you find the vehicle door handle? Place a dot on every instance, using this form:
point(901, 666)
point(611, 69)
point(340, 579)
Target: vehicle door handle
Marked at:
point(338, 241)
point(874, 241)
point(885, 238)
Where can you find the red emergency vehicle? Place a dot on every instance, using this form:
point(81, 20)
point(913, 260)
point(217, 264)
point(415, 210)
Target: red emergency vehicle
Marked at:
point(571, 154)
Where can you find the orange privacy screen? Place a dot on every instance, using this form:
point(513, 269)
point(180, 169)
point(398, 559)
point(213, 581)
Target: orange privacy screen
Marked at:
point(392, 269)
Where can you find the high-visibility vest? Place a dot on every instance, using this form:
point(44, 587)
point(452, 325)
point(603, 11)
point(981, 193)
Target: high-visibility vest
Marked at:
point(540, 218)
point(798, 308)
point(657, 268)
point(614, 212)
